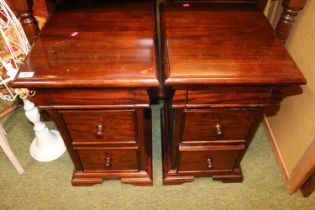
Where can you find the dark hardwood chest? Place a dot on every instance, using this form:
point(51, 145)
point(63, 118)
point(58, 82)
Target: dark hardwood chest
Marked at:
point(93, 69)
point(223, 64)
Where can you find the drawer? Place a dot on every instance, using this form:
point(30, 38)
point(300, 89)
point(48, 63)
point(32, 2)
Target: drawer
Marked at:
point(231, 96)
point(217, 125)
point(97, 159)
point(210, 158)
point(260, 96)
point(91, 96)
point(101, 126)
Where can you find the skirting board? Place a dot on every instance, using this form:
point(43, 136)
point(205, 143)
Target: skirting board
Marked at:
point(304, 168)
point(276, 149)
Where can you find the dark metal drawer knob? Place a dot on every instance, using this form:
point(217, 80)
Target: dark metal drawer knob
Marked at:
point(99, 129)
point(219, 130)
point(108, 162)
point(209, 162)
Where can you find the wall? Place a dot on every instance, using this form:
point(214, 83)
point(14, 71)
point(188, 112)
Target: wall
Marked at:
point(293, 127)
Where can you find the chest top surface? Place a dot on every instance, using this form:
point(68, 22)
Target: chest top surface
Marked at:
point(107, 45)
point(208, 43)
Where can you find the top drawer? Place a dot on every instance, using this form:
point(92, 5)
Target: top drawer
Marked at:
point(101, 126)
point(226, 97)
point(77, 97)
point(217, 125)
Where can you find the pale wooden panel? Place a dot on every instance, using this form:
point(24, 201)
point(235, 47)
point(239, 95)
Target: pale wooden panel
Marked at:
point(294, 125)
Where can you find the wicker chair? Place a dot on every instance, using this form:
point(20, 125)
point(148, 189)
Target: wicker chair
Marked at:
point(22, 8)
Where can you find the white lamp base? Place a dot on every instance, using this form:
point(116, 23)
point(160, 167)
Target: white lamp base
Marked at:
point(47, 145)
point(48, 148)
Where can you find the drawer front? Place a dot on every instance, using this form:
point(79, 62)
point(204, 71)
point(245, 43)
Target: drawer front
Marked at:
point(109, 159)
point(90, 97)
point(101, 126)
point(260, 96)
point(215, 125)
point(250, 96)
point(217, 158)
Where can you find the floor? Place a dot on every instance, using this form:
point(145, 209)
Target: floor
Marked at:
point(47, 185)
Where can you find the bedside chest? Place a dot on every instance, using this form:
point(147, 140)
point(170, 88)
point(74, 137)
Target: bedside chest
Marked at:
point(223, 64)
point(93, 69)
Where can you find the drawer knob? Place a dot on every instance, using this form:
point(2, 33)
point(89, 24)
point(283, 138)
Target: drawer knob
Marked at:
point(219, 130)
point(99, 129)
point(108, 162)
point(209, 162)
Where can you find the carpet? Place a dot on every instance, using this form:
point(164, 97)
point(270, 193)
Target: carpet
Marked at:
point(47, 185)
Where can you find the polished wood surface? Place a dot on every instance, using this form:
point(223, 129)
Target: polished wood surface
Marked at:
point(190, 141)
point(97, 160)
point(211, 158)
point(94, 70)
point(223, 64)
point(100, 126)
point(25, 12)
point(107, 45)
point(208, 125)
point(100, 97)
point(222, 97)
point(291, 8)
point(223, 44)
point(308, 187)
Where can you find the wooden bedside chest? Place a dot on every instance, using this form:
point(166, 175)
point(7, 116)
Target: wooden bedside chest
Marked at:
point(93, 69)
point(223, 64)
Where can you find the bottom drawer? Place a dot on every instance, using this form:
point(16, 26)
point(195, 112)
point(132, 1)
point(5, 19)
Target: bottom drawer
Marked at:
point(209, 158)
point(109, 159)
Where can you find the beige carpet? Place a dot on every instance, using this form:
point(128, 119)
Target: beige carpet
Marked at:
point(47, 185)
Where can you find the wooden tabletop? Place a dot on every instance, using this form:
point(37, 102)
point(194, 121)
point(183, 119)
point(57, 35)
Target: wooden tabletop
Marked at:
point(107, 45)
point(214, 44)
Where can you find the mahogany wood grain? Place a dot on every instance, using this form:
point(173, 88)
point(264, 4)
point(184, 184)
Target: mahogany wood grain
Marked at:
point(92, 98)
point(60, 123)
point(309, 186)
point(177, 121)
point(228, 44)
point(226, 97)
point(223, 64)
point(96, 77)
point(98, 160)
point(170, 176)
point(196, 162)
point(291, 8)
point(208, 125)
point(234, 96)
point(101, 126)
point(88, 150)
point(114, 48)
point(42, 8)
point(144, 135)
point(210, 159)
point(28, 21)
point(261, 4)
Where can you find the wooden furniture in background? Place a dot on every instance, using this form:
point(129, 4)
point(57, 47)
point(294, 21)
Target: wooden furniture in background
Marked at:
point(220, 86)
point(94, 78)
point(291, 8)
point(28, 21)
